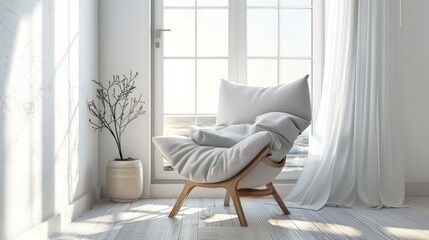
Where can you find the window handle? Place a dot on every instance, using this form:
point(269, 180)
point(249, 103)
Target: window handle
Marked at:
point(159, 30)
point(158, 35)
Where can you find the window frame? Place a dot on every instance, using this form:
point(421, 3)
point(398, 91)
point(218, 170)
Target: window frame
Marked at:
point(237, 72)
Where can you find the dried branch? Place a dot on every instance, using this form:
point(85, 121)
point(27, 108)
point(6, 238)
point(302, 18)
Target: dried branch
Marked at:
point(117, 108)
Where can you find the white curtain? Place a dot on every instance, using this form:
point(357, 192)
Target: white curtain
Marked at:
point(350, 161)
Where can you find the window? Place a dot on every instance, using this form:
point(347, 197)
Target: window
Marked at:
point(255, 42)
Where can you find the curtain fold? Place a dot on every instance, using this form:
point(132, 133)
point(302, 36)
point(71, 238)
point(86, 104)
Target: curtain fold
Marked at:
point(350, 160)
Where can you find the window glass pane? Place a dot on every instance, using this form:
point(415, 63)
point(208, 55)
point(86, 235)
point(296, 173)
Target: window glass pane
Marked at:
point(292, 69)
point(177, 125)
point(179, 86)
point(178, 3)
point(299, 152)
point(262, 32)
point(206, 121)
point(262, 3)
point(295, 32)
point(262, 73)
point(212, 32)
point(295, 3)
point(213, 3)
point(180, 42)
point(209, 74)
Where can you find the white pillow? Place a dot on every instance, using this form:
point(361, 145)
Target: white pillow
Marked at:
point(242, 104)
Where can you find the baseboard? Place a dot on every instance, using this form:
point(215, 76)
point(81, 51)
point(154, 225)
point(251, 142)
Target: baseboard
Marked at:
point(57, 223)
point(417, 189)
point(174, 190)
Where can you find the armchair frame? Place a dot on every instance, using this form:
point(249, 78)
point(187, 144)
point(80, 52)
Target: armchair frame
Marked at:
point(232, 188)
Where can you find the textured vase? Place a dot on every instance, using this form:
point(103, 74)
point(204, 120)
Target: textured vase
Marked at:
point(124, 180)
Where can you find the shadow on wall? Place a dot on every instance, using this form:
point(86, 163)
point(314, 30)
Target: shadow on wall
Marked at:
point(11, 13)
point(39, 120)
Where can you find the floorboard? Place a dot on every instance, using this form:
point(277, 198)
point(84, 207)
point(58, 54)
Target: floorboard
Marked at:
point(189, 227)
point(207, 218)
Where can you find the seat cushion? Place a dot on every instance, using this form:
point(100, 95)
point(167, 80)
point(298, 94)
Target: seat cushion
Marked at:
point(208, 164)
point(242, 104)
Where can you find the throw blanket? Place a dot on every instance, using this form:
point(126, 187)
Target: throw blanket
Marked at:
point(284, 127)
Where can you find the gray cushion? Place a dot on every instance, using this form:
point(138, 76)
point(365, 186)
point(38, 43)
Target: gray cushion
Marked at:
point(210, 164)
point(242, 104)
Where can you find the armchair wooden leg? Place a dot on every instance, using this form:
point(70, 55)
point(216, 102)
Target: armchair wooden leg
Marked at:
point(185, 192)
point(238, 208)
point(227, 198)
point(278, 199)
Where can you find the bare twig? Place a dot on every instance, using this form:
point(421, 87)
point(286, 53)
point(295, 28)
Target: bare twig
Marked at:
point(117, 108)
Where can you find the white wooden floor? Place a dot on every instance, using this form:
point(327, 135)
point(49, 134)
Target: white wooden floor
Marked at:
point(209, 219)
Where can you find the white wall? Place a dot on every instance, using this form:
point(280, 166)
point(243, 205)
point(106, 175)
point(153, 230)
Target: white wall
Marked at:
point(415, 90)
point(48, 153)
point(124, 45)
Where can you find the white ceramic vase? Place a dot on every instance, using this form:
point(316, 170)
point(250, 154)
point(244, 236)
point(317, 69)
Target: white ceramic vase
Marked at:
point(124, 180)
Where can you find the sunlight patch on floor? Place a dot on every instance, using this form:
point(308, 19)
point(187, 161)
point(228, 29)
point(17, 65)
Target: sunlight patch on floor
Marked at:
point(283, 223)
point(407, 233)
point(150, 212)
point(136, 215)
point(106, 219)
point(156, 208)
point(189, 211)
point(327, 227)
point(218, 217)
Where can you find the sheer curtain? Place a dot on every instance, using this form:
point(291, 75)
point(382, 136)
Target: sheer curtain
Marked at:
point(350, 161)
